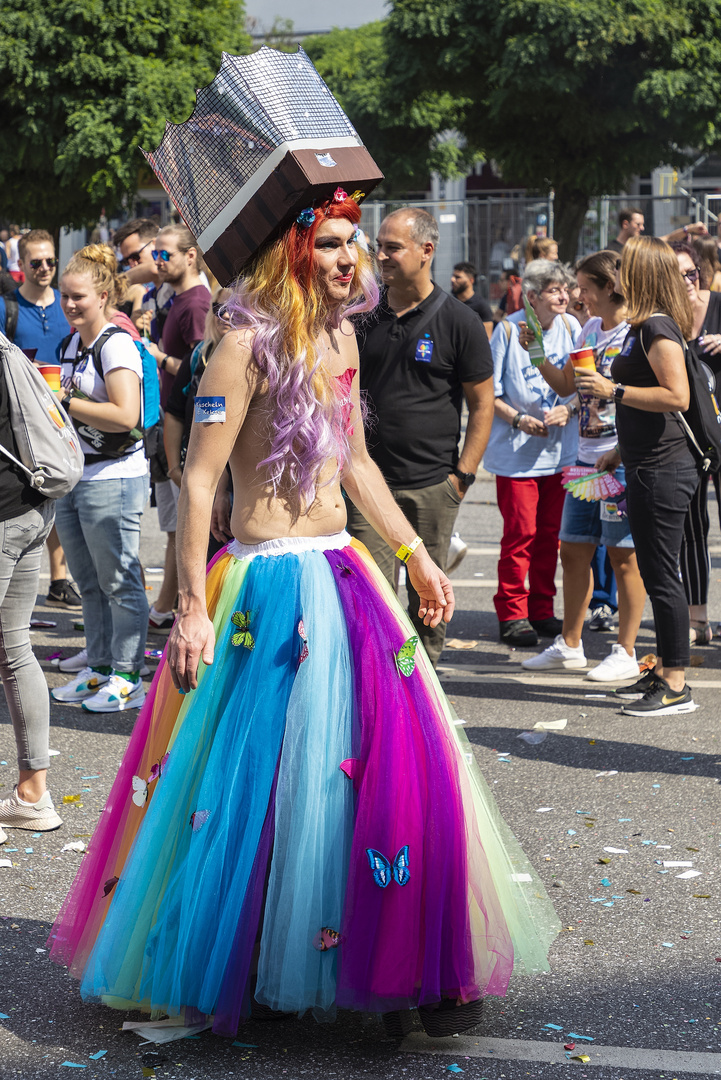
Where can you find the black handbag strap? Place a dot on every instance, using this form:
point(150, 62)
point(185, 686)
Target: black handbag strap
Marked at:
point(11, 316)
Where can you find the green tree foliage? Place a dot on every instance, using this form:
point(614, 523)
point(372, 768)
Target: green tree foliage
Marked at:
point(400, 134)
point(85, 83)
point(567, 94)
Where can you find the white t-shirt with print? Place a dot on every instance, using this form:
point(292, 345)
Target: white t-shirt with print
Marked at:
point(118, 351)
point(597, 418)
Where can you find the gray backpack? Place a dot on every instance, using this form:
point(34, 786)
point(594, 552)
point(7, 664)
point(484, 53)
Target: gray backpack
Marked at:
point(48, 447)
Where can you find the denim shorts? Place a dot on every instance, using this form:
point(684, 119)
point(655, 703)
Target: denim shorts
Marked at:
point(596, 522)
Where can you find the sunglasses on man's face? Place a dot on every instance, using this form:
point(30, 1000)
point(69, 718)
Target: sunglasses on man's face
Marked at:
point(166, 256)
point(134, 258)
point(38, 264)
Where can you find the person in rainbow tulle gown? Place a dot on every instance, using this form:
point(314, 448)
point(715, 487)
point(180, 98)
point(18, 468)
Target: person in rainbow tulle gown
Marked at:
point(298, 822)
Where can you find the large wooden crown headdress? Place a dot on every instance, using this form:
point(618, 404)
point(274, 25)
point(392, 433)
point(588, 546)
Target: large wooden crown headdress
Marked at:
point(266, 139)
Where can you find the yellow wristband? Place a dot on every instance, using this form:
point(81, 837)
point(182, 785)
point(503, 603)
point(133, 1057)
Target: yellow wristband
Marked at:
point(406, 550)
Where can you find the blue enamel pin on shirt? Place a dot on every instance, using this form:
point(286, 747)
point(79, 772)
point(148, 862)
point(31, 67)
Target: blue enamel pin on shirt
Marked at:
point(424, 350)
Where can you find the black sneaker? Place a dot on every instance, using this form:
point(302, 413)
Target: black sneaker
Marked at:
point(601, 618)
point(62, 593)
point(547, 627)
point(518, 633)
point(661, 700)
point(639, 688)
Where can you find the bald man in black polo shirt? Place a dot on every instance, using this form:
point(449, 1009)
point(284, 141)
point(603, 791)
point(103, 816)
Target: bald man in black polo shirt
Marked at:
point(422, 353)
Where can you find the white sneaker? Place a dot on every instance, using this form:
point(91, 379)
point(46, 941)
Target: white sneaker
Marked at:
point(116, 695)
point(76, 662)
point(86, 683)
point(557, 656)
point(80, 661)
point(618, 665)
point(3, 836)
point(457, 551)
point(38, 817)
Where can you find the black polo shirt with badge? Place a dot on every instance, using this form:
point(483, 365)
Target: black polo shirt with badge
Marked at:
point(412, 370)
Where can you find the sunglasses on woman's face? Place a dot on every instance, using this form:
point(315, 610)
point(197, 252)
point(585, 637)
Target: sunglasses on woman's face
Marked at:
point(38, 264)
point(166, 256)
point(690, 275)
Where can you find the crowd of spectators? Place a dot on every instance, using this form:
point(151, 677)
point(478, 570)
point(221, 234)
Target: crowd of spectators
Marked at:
point(425, 355)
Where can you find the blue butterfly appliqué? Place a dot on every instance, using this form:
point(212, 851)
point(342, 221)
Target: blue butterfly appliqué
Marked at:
point(383, 872)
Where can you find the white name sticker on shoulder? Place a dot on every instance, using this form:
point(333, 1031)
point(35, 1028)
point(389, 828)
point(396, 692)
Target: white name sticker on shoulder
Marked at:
point(209, 410)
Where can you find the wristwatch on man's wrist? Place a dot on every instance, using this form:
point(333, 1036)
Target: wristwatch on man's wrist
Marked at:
point(466, 478)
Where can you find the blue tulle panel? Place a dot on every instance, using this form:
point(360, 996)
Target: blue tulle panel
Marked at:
point(176, 909)
point(313, 812)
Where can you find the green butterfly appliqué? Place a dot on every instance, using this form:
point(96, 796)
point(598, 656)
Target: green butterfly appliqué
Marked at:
point(244, 636)
point(405, 658)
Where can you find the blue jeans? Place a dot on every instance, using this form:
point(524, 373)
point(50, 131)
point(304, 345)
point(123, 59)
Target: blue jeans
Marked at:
point(597, 523)
point(99, 528)
point(22, 540)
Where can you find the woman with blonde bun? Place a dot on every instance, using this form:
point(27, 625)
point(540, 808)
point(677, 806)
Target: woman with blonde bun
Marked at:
point(125, 298)
point(99, 521)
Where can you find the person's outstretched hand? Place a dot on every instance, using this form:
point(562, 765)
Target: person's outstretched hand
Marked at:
point(192, 636)
point(433, 587)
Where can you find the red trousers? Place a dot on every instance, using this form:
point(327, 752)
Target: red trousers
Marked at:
point(531, 509)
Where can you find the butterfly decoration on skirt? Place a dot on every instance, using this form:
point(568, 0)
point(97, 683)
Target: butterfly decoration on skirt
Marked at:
point(198, 819)
point(304, 638)
point(326, 939)
point(157, 768)
point(345, 570)
point(405, 658)
point(243, 637)
point(140, 786)
point(110, 885)
point(384, 872)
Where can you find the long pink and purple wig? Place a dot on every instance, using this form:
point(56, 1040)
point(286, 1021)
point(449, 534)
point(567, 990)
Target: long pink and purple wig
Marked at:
point(280, 301)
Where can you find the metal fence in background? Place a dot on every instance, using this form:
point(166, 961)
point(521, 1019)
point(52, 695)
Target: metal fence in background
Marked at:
point(488, 229)
point(491, 227)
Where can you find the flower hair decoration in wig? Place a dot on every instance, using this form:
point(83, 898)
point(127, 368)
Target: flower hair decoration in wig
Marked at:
point(278, 299)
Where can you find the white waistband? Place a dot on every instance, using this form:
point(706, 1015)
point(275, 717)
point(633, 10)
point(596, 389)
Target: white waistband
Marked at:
point(286, 544)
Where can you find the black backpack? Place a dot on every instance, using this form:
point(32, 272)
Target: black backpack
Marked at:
point(702, 420)
point(11, 316)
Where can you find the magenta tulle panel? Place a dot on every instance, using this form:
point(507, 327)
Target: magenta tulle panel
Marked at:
point(83, 911)
point(408, 933)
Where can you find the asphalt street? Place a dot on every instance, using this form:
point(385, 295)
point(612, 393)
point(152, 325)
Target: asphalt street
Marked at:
point(635, 973)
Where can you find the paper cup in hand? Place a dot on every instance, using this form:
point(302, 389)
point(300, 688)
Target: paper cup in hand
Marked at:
point(583, 360)
point(51, 374)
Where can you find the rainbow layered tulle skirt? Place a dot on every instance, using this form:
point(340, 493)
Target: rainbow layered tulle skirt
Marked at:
point(308, 826)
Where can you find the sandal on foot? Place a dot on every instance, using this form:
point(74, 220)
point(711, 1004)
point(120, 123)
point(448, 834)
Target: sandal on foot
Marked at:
point(446, 1018)
point(700, 633)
